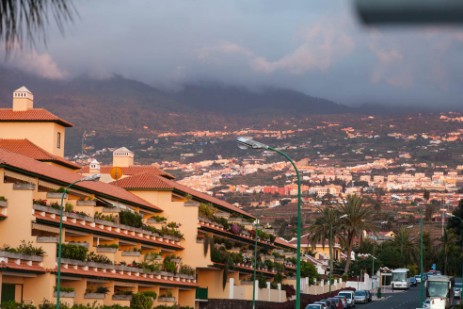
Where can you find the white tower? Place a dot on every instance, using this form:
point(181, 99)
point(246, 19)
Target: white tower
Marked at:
point(23, 99)
point(123, 157)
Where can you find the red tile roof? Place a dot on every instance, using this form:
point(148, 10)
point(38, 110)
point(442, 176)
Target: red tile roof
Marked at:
point(132, 170)
point(29, 149)
point(146, 181)
point(32, 115)
point(11, 160)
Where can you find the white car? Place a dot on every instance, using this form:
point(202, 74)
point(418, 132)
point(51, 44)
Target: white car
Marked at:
point(350, 297)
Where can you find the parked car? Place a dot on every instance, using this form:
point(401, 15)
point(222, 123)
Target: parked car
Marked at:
point(344, 301)
point(368, 295)
point(338, 302)
point(349, 295)
point(418, 278)
point(413, 281)
point(315, 306)
point(322, 304)
point(457, 288)
point(361, 297)
point(328, 303)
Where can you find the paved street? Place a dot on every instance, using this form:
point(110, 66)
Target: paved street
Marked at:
point(395, 300)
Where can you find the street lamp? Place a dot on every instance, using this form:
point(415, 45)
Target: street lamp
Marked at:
point(421, 260)
point(249, 143)
point(94, 177)
point(331, 248)
point(461, 220)
point(256, 224)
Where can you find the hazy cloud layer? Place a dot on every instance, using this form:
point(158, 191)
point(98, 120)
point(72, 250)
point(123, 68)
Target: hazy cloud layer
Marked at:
point(316, 47)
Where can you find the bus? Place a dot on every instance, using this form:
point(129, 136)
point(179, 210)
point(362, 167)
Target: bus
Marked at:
point(439, 290)
point(400, 279)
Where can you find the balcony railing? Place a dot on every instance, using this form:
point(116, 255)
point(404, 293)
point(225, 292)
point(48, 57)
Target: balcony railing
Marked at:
point(106, 226)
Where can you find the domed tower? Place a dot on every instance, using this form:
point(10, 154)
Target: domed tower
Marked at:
point(123, 157)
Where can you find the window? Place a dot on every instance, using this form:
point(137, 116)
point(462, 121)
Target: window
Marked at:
point(58, 141)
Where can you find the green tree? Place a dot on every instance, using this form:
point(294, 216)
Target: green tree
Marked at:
point(407, 246)
point(359, 218)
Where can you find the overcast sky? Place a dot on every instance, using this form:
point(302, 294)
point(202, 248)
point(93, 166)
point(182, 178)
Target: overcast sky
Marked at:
point(314, 46)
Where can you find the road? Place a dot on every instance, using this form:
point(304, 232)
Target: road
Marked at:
point(395, 300)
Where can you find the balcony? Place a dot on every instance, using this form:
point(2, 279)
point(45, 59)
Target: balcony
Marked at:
point(244, 235)
point(78, 221)
point(122, 272)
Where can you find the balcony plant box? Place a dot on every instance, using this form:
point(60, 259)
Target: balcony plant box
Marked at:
point(131, 253)
point(122, 297)
point(23, 186)
point(82, 244)
point(166, 299)
point(56, 195)
point(47, 239)
point(111, 210)
point(66, 294)
point(106, 250)
point(105, 222)
point(3, 204)
point(19, 256)
point(94, 296)
point(86, 203)
point(46, 209)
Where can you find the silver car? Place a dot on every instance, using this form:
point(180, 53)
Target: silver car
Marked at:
point(361, 296)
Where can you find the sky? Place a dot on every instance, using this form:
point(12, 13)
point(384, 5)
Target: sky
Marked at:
point(316, 47)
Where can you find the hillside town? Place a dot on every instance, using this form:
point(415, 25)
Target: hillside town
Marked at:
point(119, 232)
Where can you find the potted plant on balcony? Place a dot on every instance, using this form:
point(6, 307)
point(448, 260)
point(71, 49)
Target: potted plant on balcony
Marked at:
point(143, 300)
point(166, 297)
point(98, 293)
point(3, 201)
point(107, 248)
point(66, 292)
point(57, 194)
point(122, 295)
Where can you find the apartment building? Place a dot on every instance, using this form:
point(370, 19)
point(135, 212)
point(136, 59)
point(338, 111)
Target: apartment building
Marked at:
point(136, 230)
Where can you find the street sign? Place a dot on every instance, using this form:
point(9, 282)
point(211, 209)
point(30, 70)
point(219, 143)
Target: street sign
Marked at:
point(116, 173)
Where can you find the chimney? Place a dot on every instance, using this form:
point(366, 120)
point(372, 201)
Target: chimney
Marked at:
point(94, 167)
point(23, 100)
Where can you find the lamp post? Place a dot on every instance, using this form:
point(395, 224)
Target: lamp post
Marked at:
point(421, 260)
point(372, 271)
point(249, 143)
point(256, 224)
point(94, 177)
point(461, 221)
point(331, 249)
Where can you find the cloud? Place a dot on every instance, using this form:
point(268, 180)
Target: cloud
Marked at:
point(42, 65)
point(318, 48)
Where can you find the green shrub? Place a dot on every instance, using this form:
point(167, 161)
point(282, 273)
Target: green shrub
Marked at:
point(130, 218)
point(98, 258)
point(26, 248)
point(74, 252)
point(102, 290)
point(141, 301)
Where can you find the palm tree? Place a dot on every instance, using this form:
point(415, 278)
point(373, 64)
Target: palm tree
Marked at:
point(320, 231)
point(407, 246)
point(25, 20)
point(358, 218)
